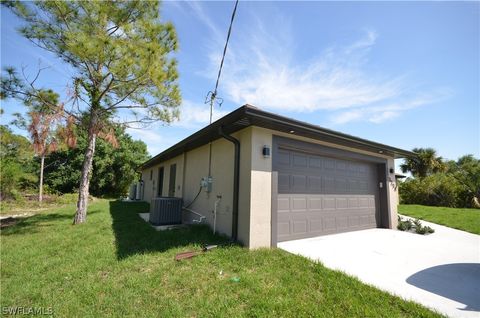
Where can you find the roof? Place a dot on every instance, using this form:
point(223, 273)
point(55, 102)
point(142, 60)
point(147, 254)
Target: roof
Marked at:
point(249, 115)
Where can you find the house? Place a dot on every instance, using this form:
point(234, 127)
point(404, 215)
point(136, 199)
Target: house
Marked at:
point(262, 178)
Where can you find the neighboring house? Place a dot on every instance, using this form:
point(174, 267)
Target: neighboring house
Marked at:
point(276, 179)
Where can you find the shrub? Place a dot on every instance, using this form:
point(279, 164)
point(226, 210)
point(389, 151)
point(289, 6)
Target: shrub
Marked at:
point(67, 198)
point(415, 225)
point(14, 179)
point(435, 190)
point(404, 225)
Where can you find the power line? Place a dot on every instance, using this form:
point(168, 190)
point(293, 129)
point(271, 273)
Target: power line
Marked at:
point(213, 95)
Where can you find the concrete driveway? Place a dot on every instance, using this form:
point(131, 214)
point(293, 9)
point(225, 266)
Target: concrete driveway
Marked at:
point(440, 270)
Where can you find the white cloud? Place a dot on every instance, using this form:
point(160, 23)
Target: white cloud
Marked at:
point(366, 41)
point(381, 113)
point(193, 115)
point(262, 68)
point(203, 16)
point(265, 73)
point(347, 116)
point(154, 140)
point(380, 117)
point(159, 137)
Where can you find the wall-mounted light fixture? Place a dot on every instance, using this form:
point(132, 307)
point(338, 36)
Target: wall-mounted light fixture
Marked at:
point(266, 151)
point(392, 170)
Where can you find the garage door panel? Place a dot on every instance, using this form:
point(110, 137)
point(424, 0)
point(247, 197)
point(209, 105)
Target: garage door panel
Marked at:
point(314, 183)
point(307, 215)
point(352, 203)
point(328, 203)
point(283, 158)
point(283, 182)
point(314, 204)
point(300, 227)
point(316, 225)
point(300, 161)
point(283, 204)
point(298, 183)
point(283, 229)
point(315, 162)
point(298, 204)
point(342, 223)
point(354, 221)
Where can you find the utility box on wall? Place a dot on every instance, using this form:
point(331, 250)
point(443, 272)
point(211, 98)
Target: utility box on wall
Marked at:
point(166, 211)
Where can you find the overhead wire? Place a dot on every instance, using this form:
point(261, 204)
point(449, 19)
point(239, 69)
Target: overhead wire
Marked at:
point(212, 95)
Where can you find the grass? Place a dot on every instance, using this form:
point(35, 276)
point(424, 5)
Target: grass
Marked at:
point(32, 206)
point(116, 265)
point(461, 219)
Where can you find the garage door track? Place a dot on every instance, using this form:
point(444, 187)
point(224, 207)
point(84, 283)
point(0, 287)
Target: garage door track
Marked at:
point(440, 270)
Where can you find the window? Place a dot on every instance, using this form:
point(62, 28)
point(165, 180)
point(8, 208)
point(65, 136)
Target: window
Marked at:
point(151, 174)
point(160, 181)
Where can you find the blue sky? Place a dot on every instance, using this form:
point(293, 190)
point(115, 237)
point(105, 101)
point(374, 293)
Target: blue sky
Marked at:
point(404, 74)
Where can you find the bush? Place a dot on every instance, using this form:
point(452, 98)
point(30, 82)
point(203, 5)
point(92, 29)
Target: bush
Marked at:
point(14, 179)
point(404, 225)
point(435, 190)
point(67, 198)
point(415, 225)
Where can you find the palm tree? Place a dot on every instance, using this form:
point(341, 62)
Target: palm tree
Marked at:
point(43, 140)
point(424, 163)
point(44, 123)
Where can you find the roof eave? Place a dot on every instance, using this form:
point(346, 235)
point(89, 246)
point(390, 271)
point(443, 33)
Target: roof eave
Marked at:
point(257, 117)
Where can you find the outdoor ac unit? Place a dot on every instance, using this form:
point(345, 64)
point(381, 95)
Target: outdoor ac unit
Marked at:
point(166, 210)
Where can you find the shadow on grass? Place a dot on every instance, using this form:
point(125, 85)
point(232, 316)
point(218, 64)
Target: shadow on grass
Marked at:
point(30, 224)
point(135, 236)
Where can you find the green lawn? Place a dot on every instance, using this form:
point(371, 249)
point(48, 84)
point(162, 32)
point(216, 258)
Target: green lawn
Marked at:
point(118, 266)
point(30, 207)
point(462, 219)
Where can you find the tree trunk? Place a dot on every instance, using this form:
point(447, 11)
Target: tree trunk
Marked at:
point(81, 213)
point(40, 187)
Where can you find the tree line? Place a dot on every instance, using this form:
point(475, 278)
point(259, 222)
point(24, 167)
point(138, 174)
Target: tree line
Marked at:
point(439, 182)
point(114, 168)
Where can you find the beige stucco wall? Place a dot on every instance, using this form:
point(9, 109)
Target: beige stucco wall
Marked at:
point(261, 190)
point(244, 197)
point(150, 179)
point(196, 167)
point(255, 191)
point(192, 166)
point(392, 194)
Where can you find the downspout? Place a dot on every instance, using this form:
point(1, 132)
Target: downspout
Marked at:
point(236, 181)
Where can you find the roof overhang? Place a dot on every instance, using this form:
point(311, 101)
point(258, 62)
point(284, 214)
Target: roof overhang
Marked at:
point(248, 115)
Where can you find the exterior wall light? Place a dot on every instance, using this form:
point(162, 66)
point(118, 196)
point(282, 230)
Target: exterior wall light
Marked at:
point(266, 151)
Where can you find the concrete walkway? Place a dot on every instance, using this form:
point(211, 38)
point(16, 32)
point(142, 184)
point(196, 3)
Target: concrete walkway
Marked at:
point(440, 270)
